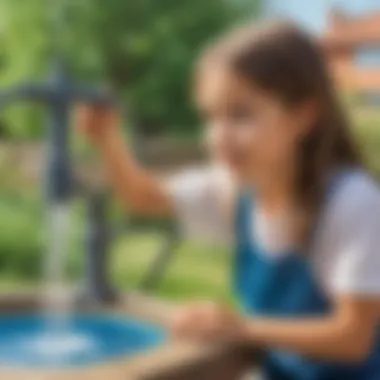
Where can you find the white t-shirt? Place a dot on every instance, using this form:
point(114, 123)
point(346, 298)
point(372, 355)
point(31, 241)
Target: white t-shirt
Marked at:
point(346, 247)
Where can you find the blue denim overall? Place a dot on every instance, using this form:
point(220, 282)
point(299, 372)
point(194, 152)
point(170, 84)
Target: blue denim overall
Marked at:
point(286, 287)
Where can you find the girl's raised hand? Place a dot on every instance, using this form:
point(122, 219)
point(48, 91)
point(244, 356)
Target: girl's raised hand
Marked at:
point(96, 122)
point(208, 321)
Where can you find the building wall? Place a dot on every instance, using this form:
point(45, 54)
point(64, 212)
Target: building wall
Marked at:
point(342, 69)
point(367, 64)
point(353, 74)
point(367, 80)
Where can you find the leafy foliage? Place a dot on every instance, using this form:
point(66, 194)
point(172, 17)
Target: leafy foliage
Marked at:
point(144, 49)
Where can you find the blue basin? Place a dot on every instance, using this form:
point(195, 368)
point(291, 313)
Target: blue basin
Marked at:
point(27, 341)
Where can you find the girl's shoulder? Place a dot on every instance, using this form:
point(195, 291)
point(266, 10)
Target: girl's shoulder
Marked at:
point(356, 191)
point(347, 247)
point(203, 199)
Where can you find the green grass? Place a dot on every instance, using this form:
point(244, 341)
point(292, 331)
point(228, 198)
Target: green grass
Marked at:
point(196, 271)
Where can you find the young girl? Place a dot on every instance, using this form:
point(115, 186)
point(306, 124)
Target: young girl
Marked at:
point(289, 190)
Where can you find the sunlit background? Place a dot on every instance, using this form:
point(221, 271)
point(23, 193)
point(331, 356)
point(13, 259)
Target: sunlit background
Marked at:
point(144, 51)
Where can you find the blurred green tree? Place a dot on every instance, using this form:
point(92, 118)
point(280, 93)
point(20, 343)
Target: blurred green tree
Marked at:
point(142, 48)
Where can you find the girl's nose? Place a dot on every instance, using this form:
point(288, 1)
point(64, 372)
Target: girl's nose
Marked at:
point(219, 134)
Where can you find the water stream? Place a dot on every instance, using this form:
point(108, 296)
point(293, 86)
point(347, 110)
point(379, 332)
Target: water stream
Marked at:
point(58, 336)
point(57, 340)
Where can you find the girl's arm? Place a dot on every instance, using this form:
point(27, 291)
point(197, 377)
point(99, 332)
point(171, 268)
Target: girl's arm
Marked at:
point(347, 334)
point(138, 190)
point(201, 199)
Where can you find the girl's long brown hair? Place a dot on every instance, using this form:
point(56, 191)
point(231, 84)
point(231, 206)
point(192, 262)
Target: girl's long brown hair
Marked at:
point(284, 60)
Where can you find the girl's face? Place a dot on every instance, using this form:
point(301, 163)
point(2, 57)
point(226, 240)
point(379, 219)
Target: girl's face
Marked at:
point(248, 130)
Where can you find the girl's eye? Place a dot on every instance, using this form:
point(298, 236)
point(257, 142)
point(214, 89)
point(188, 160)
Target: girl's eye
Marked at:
point(240, 113)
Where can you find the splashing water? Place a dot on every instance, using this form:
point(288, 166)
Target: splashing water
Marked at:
point(56, 341)
point(57, 304)
point(59, 337)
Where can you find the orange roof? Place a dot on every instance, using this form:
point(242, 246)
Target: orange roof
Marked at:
point(346, 31)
